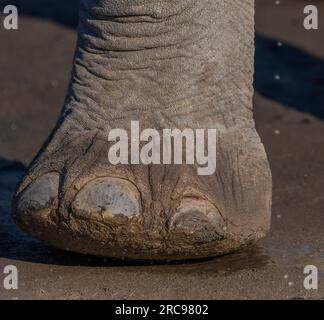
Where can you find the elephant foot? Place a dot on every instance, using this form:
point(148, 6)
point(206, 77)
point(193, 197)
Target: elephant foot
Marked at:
point(187, 66)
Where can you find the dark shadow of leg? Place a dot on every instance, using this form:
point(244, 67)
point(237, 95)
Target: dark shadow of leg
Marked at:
point(61, 11)
point(301, 76)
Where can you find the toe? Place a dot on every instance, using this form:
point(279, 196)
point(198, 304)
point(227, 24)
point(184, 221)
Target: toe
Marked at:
point(39, 197)
point(196, 214)
point(105, 198)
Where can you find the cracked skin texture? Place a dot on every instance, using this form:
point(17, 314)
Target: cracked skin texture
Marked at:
point(168, 64)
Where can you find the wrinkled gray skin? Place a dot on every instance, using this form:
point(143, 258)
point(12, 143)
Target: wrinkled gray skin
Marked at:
point(169, 64)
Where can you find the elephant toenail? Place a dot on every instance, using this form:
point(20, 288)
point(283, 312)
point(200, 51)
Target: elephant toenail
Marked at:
point(194, 214)
point(40, 194)
point(106, 198)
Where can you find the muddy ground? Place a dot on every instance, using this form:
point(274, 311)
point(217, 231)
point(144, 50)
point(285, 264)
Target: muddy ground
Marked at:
point(35, 64)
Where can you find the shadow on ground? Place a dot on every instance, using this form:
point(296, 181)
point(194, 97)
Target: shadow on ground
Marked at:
point(64, 12)
point(301, 76)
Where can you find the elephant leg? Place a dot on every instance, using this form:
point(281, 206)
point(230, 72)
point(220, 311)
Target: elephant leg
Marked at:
point(166, 64)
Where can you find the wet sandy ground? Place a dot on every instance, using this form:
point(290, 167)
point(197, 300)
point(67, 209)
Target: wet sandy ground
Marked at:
point(35, 64)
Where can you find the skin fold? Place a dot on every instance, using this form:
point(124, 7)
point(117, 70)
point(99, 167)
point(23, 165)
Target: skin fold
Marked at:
point(167, 64)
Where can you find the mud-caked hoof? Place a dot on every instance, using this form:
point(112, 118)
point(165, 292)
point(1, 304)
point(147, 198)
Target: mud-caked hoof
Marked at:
point(38, 200)
point(105, 198)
